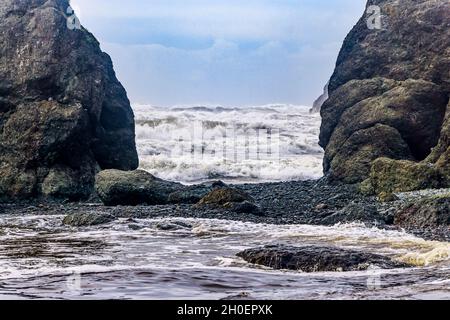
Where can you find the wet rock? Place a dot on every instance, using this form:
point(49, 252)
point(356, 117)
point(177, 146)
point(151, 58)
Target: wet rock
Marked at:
point(230, 199)
point(135, 227)
point(193, 194)
point(63, 113)
point(316, 259)
point(429, 212)
point(390, 176)
point(115, 187)
point(87, 219)
point(222, 196)
point(388, 96)
point(244, 207)
point(173, 225)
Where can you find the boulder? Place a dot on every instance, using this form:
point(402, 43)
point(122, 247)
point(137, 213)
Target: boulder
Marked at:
point(353, 161)
point(316, 259)
point(389, 93)
point(115, 187)
point(173, 225)
point(193, 194)
point(429, 212)
point(86, 219)
point(390, 176)
point(222, 196)
point(243, 207)
point(63, 113)
point(230, 199)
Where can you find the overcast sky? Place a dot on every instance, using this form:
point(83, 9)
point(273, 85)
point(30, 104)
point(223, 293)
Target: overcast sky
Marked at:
point(226, 52)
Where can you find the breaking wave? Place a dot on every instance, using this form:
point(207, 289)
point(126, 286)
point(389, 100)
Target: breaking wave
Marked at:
point(253, 144)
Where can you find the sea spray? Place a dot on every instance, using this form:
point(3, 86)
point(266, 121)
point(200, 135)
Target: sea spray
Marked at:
point(255, 144)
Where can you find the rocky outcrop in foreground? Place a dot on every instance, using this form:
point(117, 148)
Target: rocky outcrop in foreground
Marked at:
point(115, 187)
point(63, 113)
point(389, 97)
point(316, 259)
point(131, 188)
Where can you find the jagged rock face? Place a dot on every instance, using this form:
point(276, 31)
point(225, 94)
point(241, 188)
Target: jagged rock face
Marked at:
point(63, 113)
point(389, 94)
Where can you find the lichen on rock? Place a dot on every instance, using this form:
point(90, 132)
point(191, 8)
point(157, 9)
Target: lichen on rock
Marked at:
point(391, 176)
point(116, 187)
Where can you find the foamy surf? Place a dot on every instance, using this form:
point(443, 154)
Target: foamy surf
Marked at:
point(199, 260)
point(234, 144)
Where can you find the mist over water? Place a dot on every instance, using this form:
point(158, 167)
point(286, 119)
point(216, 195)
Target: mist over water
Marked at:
point(252, 144)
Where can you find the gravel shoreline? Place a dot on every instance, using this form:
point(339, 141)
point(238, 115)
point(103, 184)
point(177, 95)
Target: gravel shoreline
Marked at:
point(301, 202)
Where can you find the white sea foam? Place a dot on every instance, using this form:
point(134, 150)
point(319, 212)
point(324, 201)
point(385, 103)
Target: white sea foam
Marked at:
point(265, 143)
point(115, 261)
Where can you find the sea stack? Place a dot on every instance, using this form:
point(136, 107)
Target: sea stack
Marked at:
point(389, 95)
point(63, 114)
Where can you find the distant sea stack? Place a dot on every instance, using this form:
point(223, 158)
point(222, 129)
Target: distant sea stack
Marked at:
point(389, 98)
point(318, 103)
point(63, 114)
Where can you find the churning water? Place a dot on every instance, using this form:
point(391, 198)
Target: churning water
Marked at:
point(253, 144)
point(40, 258)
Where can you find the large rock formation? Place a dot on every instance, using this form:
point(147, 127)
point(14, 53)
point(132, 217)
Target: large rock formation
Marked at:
point(63, 113)
point(389, 94)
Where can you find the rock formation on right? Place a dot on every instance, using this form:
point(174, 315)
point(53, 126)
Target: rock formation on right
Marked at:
point(389, 97)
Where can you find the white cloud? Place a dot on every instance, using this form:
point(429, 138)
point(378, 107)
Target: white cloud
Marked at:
point(221, 74)
point(231, 19)
point(226, 52)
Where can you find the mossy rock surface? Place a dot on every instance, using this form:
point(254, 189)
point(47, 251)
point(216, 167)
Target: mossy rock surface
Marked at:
point(391, 176)
point(115, 187)
point(223, 196)
point(389, 96)
point(231, 199)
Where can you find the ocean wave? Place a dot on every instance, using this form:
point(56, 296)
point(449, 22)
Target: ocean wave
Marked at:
point(251, 144)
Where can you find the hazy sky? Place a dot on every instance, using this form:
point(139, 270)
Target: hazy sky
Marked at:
point(227, 52)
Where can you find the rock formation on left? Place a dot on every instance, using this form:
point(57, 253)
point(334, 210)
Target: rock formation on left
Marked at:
point(63, 114)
